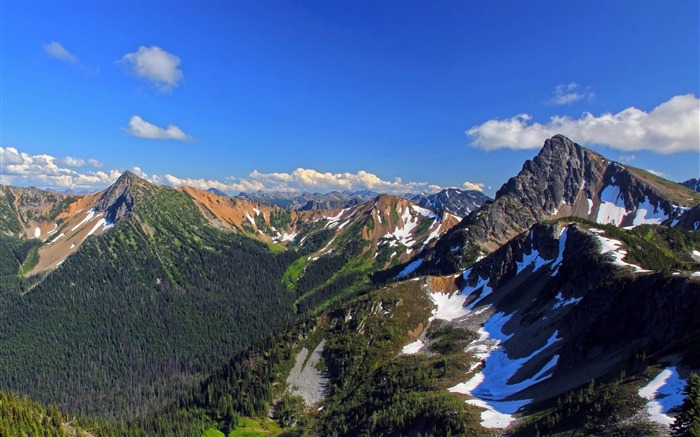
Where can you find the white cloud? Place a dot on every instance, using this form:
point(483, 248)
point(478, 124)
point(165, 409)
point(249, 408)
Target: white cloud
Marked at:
point(73, 162)
point(47, 171)
point(478, 186)
point(95, 163)
point(673, 126)
point(303, 179)
point(156, 65)
point(627, 158)
point(56, 50)
point(569, 94)
point(657, 173)
point(139, 127)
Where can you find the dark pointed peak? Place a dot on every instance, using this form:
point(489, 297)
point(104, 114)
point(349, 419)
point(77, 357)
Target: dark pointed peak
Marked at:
point(128, 178)
point(119, 200)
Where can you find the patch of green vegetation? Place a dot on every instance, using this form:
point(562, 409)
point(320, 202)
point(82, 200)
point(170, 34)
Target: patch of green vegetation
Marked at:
point(280, 218)
point(211, 432)
point(248, 227)
point(294, 272)
point(21, 417)
point(275, 248)
point(375, 392)
point(424, 225)
point(449, 339)
point(248, 427)
point(394, 214)
point(30, 261)
point(596, 409)
point(370, 223)
point(653, 247)
point(688, 421)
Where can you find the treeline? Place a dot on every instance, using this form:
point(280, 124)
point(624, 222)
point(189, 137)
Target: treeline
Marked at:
point(21, 417)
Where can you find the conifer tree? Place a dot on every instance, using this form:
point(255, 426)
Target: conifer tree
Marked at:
point(688, 421)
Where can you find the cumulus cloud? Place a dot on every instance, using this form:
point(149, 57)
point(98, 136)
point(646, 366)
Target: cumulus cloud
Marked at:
point(478, 186)
point(47, 171)
point(73, 162)
point(304, 179)
point(56, 50)
point(155, 65)
point(673, 126)
point(139, 127)
point(568, 94)
point(95, 163)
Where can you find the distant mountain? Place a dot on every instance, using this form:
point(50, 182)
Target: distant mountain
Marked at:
point(693, 184)
point(217, 191)
point(564, 179)
point(453, 200)
point(310, 201)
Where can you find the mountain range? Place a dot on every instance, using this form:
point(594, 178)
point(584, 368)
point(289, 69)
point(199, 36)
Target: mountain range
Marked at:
point(566, 304)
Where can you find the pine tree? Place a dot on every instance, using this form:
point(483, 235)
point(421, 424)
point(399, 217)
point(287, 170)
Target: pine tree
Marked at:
point(688, 421)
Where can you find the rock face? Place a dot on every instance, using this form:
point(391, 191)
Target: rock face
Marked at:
point(693, 184)
point(452, 200)
point(118, 200)
point(563, 180)
point(23, 210)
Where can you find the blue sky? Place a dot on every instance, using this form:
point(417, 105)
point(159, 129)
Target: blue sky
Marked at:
point(341, 95)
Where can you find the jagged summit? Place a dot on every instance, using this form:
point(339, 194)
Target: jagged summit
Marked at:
point(564, 179)
point(119, 199)
point(453, 200)
point(693, 184)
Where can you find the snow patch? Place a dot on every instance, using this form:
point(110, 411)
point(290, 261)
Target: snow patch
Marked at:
point(649, 214)
point(410, 268)
point(590, 206)
point(87, 218)
point(100, 223)
point(608, 245)
point(37, 232)
point(498, 414)
point(423, 211)
point(491, 385)
point(560, 258)
point(61, 235)
point(250, 219)
point(412, 348)
point(561, 302)
point(664, 393)
point(449, 307)
point(289, 237)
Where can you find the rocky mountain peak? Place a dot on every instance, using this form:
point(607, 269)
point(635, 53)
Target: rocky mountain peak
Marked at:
point(564, 179)
point(693, 184)
point(119, 199)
